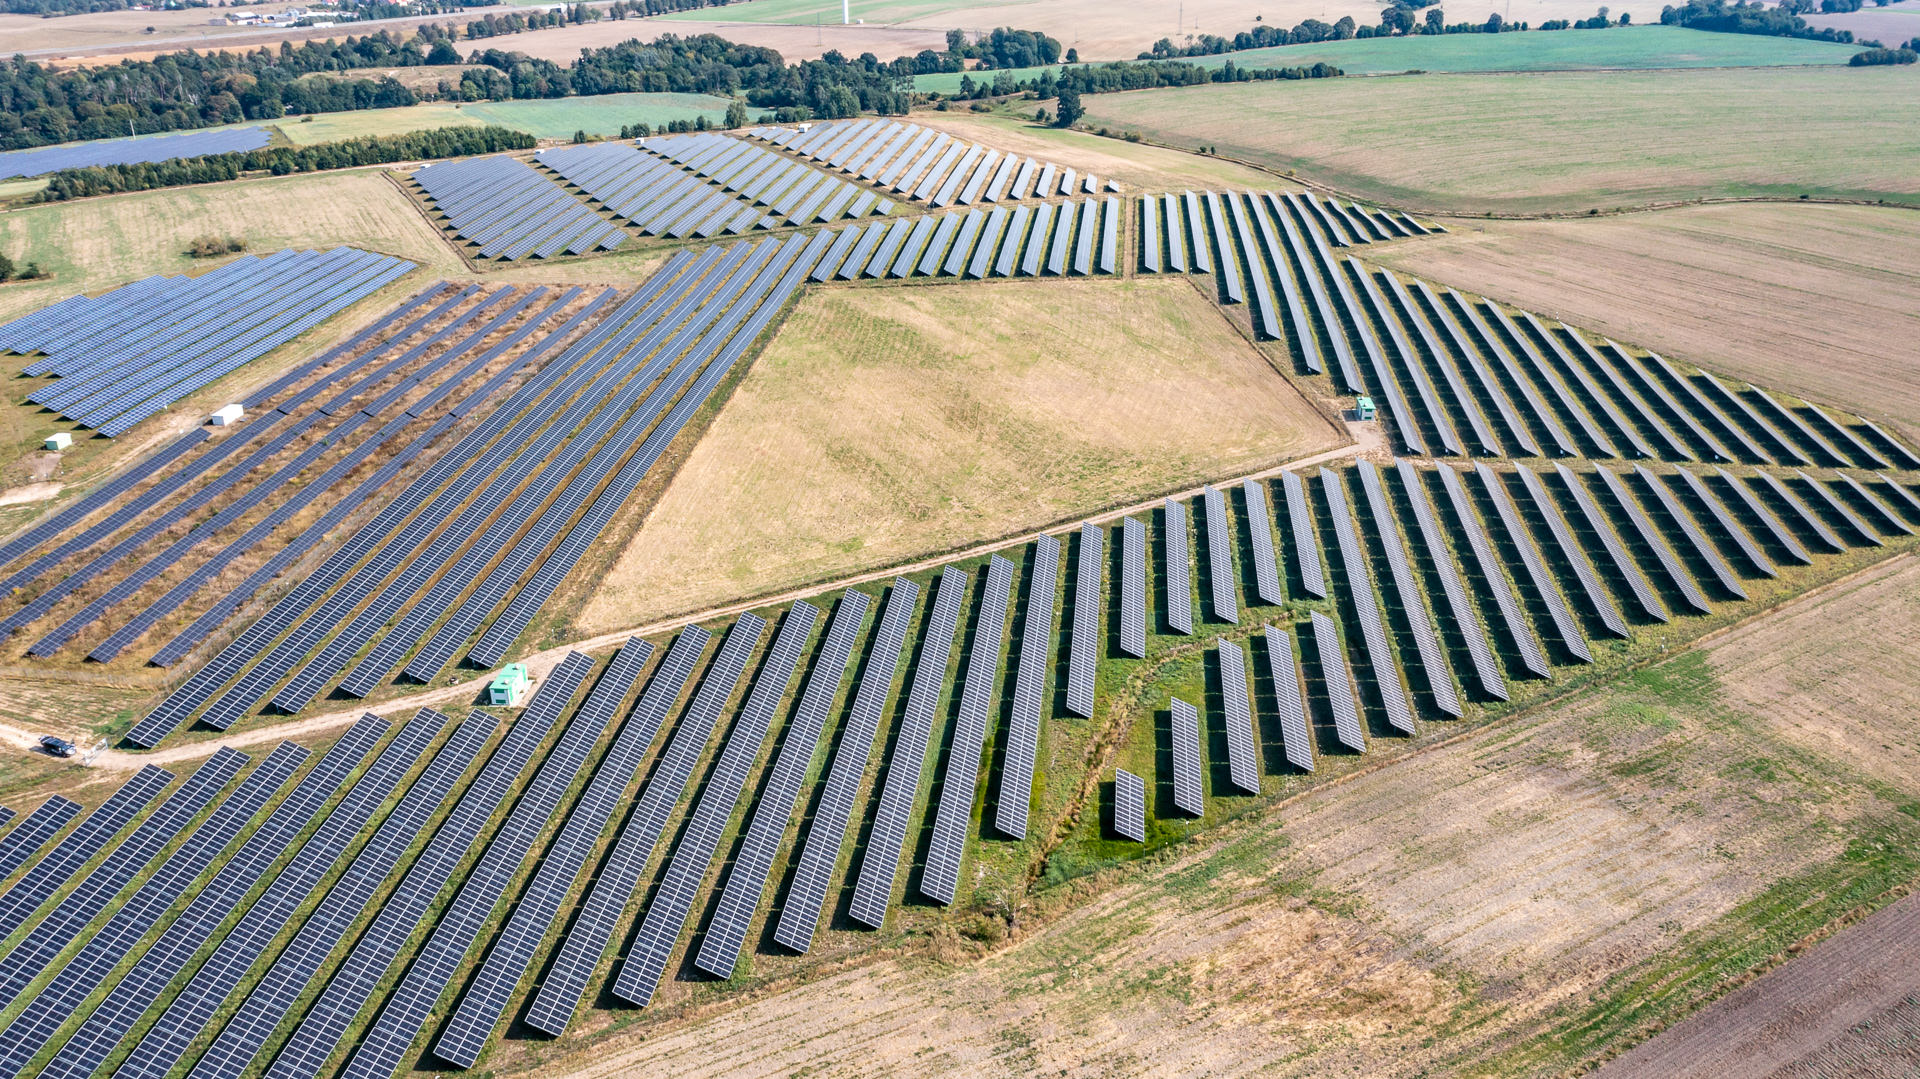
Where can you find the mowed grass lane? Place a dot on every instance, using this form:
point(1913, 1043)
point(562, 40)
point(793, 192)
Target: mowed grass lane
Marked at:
point(1558, 143)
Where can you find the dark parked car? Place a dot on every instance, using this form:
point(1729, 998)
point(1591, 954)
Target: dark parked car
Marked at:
point(58, 747)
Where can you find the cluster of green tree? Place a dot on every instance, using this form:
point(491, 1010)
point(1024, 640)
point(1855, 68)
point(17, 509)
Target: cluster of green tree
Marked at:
point(1597, 22)
point(519, 22)
point(9, 272)
point(1118, 75)
point(400, 9)
point(1743, 17)
point(282, 160)
point(212, 247)
point(1875, 57)
point(1005, 47)
point(1397, 19)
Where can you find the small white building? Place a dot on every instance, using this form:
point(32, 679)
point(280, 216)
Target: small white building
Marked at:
point(57, 441)
point(228, 415)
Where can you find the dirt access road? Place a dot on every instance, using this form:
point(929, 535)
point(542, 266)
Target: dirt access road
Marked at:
point(1797, 1011)
point(1367, 441)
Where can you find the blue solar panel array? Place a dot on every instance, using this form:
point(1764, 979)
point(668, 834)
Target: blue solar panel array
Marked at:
point(510, 210)
point(126, 355)
point(960, 781)
point(130, 151)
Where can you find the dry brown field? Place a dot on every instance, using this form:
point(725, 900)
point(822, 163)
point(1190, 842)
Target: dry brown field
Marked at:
point(1535, 896)
point(886, 423)
point(1818, 301)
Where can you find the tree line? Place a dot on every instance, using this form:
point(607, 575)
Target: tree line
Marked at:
point(284, 160)
point(1743, 17)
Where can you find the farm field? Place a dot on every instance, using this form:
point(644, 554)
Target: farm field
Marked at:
point(1814, 300)
point(1429, 917)
point(1625, 48)
point(885, 424)
point(1137, 165)
point(1585, 140)
point(554, 119)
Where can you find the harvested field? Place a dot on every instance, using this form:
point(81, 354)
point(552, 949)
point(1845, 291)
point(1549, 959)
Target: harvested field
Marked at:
point(1819, 301)
point(1848, 1007)
point(1517, 902)
point(882, 424)
point(1584, 140)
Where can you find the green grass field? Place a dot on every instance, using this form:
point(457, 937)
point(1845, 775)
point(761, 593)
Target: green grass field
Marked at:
point(1636, 48)
point(807, 12)
point(1564, 142)
point(554, 119)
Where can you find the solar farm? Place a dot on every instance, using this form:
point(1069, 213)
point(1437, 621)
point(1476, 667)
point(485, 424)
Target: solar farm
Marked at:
point(339, 840)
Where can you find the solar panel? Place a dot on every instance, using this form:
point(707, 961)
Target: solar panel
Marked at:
point(1597, 599)
point(1483, 436)
point(1776, 446)
point(1152, 238)
point(1622, 394)
point(1543, 375)
point(1775, 530)
point(1087, 595)
point(1243, 764)
point(1300, 536)
point(1176, 226)
point(162, 960)
point(1535, 567)
point(1728, 527)
point(33, 833)
point(1799, 512)
point(379, 1049)
point(586, 940)
point(1814, 445)
point(1705, 445)
point(1413, 604)
point(1663, 554)
point(1701, 546)
point(1461, 610)
point(1403, 361)
point(819, 852)
point(1030, 675)
point(1824, 499)
point(960, 782)
point(1889, 518)
point(1303, 332)
point(1704, 409)
point(1184, 730)
point(880, 863)
point(1493, 572)
point(1296, 735)
point(220, 975)
point(1225, 594)
point(1373, 630)
point(1129, 806)
point(1623, 564)
point(1179, 583)
point(1260, 528)
point(1317, 289)
point(1133, 588)
point(1229, 261)
point(1339, 683)
point(80, 847)
point(1432, 312)
point(360, 974)
point(1542, 419)
point(747, 881)
point(138, 150)
point(283, 985)
point(667, 912)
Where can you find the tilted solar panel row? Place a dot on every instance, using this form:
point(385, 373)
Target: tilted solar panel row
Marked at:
point(217, 979)
point(880, 864)
point(1776, 531)
point(1178, 576)
point(49, 1009)
point(1525, 642)
point(1597, 443)
point(1185, 733)
point(36, 831)
point(1029, 685)
point(1243, 762)
point(1311, 256)
point(960, 781)
point(1083, 645)
point(1259, 521)
point(109, 1023)
point(1373, 630)
point(1459, 397)
point(1623, 565)
point(742, 160)
point(80, 846)
point(1339, 683)
point(1588, 362)
point(1296, 734)
point(1597, 599)
point(1690, 533)
point(1749, 549)
point(780, 792)
point(649, 192)
point(1403, 361)
point(1643, 530)
point(130, 151)
point(1535, 566)
point(1837, 510)
point(1798, 512)
point(1541, 421)
point(586, 940)
point(1460, 609)
point(301, 961)
point(1413, 603)
point(1224, 586)
point(101, 496)
point(467, 1032)
point(510, 210)
point(666, 915)
point(819, 852)
point(22, 963)
point(1133, 588)
point(346, 994)
point(1302, 538)
point(1306, 341)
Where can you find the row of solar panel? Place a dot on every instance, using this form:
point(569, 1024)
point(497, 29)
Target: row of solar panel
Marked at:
point(126, 355)
point(477, 543)
point(793, 193)
point(1459, 377)
point(1052, 239)
point(651, 194)
point(511, 210)
point(1352, 679)
point(927, 165)
point(130, 151)
point(379, 379)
